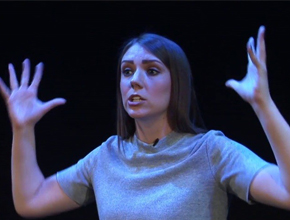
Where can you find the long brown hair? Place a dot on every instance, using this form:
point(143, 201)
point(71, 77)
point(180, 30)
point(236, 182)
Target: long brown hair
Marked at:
point(183, 112)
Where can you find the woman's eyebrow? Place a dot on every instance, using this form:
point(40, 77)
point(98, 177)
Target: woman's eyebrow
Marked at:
point(150, 61)
point(127, 61)
point(143, 61)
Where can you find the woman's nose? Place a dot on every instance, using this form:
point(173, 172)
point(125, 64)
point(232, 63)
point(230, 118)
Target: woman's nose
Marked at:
point(137, 80)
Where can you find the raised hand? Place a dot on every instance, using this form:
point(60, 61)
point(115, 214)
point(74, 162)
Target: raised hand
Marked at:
point(254, 88)
point(24, 108)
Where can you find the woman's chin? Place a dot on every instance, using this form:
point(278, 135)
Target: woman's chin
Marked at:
point(137, 116)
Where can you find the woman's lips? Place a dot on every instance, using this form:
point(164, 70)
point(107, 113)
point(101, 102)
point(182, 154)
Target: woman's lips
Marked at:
point(135, 100)
point(135, 103)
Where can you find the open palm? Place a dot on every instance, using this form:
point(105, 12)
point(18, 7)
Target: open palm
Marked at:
point(254, 88)
point(24, 108)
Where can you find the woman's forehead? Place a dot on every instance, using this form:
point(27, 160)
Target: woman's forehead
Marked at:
point(136, 51)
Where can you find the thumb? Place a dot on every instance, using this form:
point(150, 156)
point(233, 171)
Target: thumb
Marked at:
point(52, 104)
point(233, 84)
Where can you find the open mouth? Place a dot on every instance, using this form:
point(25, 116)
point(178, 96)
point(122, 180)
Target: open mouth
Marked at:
point(136, 99)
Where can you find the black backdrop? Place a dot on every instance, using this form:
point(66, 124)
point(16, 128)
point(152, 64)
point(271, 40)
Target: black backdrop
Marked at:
point(79, 44)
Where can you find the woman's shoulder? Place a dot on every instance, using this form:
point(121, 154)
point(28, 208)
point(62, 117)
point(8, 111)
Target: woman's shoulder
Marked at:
point(109, 142)
point(218, 143)
point(212, 140)
point(213, 134)
point(210, 135)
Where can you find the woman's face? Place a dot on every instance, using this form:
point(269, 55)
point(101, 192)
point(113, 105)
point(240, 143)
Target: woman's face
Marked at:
point(145, 84)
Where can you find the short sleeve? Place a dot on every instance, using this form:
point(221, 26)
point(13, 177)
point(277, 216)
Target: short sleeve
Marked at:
point(233, 165)
point(75, 180)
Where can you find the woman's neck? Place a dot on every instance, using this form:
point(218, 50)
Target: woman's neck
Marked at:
point(149, 131)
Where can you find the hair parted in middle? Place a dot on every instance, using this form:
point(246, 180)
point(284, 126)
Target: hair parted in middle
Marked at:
point(183, 113)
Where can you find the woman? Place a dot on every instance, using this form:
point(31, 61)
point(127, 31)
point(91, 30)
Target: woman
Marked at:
point(162, 164)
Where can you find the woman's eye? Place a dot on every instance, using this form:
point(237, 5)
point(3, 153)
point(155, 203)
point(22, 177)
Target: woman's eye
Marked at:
point(127, 72)
point(153, 71)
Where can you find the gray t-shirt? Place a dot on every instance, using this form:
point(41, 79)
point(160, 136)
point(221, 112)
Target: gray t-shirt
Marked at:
point(183, 176)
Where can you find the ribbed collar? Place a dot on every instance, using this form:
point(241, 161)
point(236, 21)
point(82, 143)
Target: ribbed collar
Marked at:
point(165, 142)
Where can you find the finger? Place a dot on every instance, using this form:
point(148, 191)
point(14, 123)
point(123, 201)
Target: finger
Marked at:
point(233, 84)
point(251, 52)
point(250, 62)
point(250, 46)
point(261, 47)
point(53, 103)
point(12, 76)
point(25, 73)
point(37, 75)
point(5, 91)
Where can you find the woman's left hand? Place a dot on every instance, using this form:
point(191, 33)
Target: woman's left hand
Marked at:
point(254, 88)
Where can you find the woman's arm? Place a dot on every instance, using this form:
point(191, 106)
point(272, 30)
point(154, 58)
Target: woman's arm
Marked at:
point(33, 194)
point(271, 185)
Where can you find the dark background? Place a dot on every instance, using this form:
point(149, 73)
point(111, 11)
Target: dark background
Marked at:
point(79, 45)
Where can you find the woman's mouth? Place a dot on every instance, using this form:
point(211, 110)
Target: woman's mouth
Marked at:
point(135, 100)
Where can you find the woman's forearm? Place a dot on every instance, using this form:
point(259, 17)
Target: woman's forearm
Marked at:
point(26, 175)
point(277, 131)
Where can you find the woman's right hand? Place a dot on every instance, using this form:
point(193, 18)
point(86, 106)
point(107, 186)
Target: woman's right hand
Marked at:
point(33, 194)
point(24, 108)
